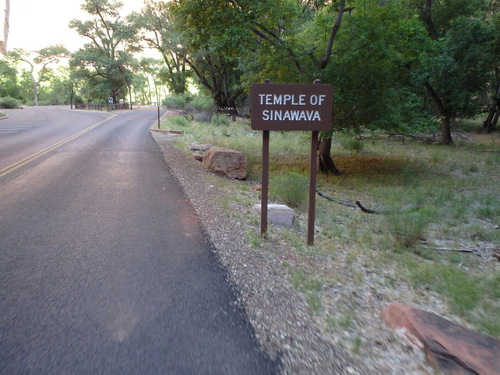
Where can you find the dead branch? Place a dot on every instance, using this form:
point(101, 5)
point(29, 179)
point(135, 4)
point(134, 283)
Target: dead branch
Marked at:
point(368, 210)
point(461, 250)
point(358, 205)
point(345, 203)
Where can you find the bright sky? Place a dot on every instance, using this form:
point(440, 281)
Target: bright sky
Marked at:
point(36, 24)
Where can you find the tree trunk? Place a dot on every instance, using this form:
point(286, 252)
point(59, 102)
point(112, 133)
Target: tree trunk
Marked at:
point(490, 123)
point(444, 112)
point(446, 130)
point(326, 164)
point(6, 27)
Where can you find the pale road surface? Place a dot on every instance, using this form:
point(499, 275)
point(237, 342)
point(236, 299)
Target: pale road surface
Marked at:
point(103, 266)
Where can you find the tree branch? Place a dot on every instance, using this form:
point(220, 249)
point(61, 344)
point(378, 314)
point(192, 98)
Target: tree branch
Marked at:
point(326, 57)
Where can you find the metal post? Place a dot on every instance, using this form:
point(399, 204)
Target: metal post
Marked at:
point(312, 184)
point(312, 188)
point(265, 182)
point(158, 117)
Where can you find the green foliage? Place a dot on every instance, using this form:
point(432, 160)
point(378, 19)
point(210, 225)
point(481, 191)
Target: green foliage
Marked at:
point(155, 18)
point(8, 80)
point(221, 119)
point(9, 102)
point(176, 101)
point(289, 188)
point(350, 142)
point(106, 63)
point(202, 102)
point(178, 121)
point(370, 72)
point(407, 229)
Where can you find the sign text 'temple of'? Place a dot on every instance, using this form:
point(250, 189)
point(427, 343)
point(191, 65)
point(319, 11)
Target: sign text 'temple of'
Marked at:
point(291, 107)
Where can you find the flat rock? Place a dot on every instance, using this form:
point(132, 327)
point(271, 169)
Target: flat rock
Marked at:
point(278, 214)
point(455, 349)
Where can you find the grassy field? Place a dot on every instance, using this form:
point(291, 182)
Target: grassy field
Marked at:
point(439, 226)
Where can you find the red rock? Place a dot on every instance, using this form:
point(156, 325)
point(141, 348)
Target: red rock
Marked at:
point(230, 163)
point(455, 349)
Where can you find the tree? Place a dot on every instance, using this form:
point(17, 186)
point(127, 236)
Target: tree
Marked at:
point(106, 61)
point(215, 35)
point(3, 43)
point(363, 48)
point(459, 66)
point(491, 121)
point(8, 80)
point(40, 64)
point(155, 27)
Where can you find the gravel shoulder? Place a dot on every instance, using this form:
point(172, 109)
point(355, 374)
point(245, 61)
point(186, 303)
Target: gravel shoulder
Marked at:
point(285, 326)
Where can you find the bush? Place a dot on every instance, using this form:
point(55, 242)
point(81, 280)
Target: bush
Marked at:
point(176, 101)
point(409, 228)
point(289, 188)
point(203, 103)
point(9, 103)
point(351, 143)
point(220, 119)
point(178, 121)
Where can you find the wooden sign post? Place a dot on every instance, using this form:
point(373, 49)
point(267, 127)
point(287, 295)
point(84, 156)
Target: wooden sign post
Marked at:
point(291, 107)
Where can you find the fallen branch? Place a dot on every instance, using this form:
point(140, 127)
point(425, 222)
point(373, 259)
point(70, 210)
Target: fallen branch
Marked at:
point(461, 250)
point(368, 210)
point(345, 203)
point(358, 205)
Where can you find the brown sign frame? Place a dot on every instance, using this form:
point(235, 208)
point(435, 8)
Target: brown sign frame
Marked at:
point(315, 97)
point(282, 106)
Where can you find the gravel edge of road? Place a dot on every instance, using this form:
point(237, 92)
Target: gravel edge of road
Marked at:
point(284, 327)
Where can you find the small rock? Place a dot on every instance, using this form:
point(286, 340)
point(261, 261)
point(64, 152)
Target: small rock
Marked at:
point(279, 214)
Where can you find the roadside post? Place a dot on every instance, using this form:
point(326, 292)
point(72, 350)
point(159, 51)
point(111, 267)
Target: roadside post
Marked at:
point(302, 107)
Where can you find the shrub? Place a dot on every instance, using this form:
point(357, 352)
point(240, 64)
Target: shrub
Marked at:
point(176, 101)
point(351, 143)
point(178, 121)
point(9, 103)
point(289, 188)
point(220, 119)
point(409, 228)
point(203, 103)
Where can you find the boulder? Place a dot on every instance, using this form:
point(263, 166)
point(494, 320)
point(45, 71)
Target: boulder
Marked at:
point(278, 214)
point(455, 349)
point(227, 162)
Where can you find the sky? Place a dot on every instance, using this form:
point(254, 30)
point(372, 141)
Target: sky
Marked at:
point(35, 24)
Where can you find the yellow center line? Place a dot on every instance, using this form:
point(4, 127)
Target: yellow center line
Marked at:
point(40, 153)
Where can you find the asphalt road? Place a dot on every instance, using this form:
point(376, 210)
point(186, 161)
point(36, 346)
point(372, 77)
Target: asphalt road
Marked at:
point(103, 266)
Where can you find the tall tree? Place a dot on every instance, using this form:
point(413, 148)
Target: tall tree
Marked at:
point(8, 80)
point(106, 60)
point(6, 28)
point(216, 35)
point(364, 48)
point(40, 66)
point(494, 106)
point(460, 66)
point(154, 26)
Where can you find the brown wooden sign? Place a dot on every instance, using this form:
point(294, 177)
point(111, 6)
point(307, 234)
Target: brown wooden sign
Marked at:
point(291, 107)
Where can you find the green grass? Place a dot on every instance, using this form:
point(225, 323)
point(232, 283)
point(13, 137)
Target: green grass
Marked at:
point(433, 194)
